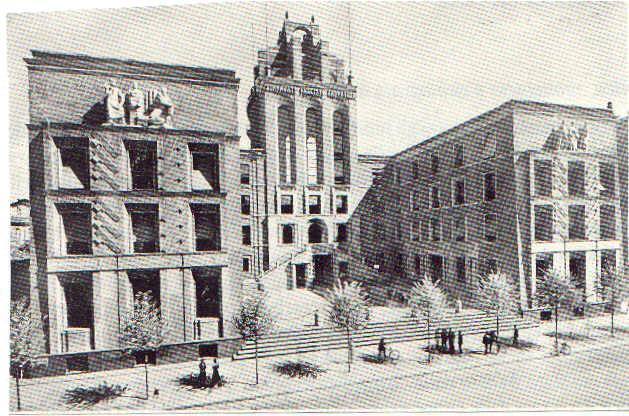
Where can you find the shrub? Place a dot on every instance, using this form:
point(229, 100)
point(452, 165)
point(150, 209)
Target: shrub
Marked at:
point(89, 396)
point(298, 369)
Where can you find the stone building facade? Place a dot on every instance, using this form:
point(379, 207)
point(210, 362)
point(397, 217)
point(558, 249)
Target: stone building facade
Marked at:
point(524, 188)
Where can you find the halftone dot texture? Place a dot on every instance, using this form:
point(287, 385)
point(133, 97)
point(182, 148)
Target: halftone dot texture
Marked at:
point(419, 69)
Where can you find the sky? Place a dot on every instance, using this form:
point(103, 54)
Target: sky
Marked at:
point(420, 68)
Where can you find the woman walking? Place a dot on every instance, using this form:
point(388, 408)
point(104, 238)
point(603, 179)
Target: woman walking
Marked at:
point(202, 373)
point(216, 377)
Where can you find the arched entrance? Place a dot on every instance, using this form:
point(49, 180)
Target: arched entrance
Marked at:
point(317, 232)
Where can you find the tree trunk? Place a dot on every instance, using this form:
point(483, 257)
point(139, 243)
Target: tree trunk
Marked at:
point(557, 328)
point(349, 352)
point(613, 306)
point(17, 390)
point(429, 336)
point(497, 324)
point(146, 376)
point(256, 342)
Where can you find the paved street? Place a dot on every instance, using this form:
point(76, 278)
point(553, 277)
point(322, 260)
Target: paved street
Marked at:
point(574, 381)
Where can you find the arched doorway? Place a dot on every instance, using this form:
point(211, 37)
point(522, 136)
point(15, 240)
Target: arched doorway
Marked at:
point(317, 232)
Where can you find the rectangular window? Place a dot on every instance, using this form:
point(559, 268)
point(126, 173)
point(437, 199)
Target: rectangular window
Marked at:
point(543, 264)
point(608, 261)
point(314, 204)
point(576, 229)
point(244, 174)
point(490, 186)
point(204, 166)
point(286, 204)
point(416, 169)
point(435, 228)
point(416, 196)
point(287, 233)
point(341, 204)
point(76, 228)
point(543, 222)
point(576, 178)
point(245, 204)
point(246, 266)
point(460, 269)
point(416, 229)
point(74, 171)
point(435, 197)
point(489, 143)
point(490, 227)
point(459, 225)
point(577, 267)
point(608, 222)
point(207, 227)
point(491, 266)
point(144, 227)
point(143, 164)
point(543, 171)
point(607, 173)
point(459, 191)
point(341, 233)
point(434, 163)
point(425, 230)
point(246, 235)
point(459, 159)
point(418, 265)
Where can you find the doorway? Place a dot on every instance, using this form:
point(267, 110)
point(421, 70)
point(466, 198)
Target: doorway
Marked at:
point(322, 269)
point(300, 275)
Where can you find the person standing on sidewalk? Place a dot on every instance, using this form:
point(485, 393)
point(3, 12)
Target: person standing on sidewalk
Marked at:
point(444, 340)
point(202, 373)
point(451, 341)
point(460, 342)
point(382, 350)
point(516, 335)
point(216, 377)
point(486, 341)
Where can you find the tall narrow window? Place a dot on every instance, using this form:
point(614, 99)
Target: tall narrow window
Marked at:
point(459, 191)
point(289, 161)
point(459, 225)
point(144, 227)
point(74, 164)
point(204, 166)
point(314, 156)
point(543, 171)
point(460, 269)
point(207, 227)
point(246, 235)
point(143, 165)
point(286, 204)
point(434, 163)
point(435, 225)
point(244, 174)
point(607, 174)
point(490, 186)
point(286, 143)
point(436, 203)
point(459, 159)
point(341, 204)
point(287, 232)
point(543, 222)
point(415, 229)
point(341, 147)
point(576, 218)
point(576, 178)
point(76, 228)
point(608, 222)
point(311, 163)
point(341, 233)
point(490, 227)
point(245, 204)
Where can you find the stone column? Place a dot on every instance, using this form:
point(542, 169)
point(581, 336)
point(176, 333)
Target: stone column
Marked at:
point(171, 304)
point(55, 313)
point(300, 140)
point(105, 301)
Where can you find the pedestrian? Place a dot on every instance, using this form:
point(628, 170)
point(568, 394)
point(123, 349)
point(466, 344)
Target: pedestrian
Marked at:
point(216, 377)
point(458, 306)
point(451, 341)
point(202, 374)
point(491, 340)
point(382, 350)
point(516, 335)
point(444, 340)
point(316, 317)
point(486, 341)
point(460, 342)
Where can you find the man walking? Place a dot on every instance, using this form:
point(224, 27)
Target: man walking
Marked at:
point(382, 351)
point(451, 340)
point(486, 341)
point(460, 342)
point(444, 340)
point(516, 336)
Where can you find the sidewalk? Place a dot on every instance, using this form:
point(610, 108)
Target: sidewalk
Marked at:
point(47, 394)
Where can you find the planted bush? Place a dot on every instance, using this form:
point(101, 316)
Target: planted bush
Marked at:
point(89, 396)
point(299, 369)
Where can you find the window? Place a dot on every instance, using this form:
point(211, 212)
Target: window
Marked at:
point(286, 206)
point(435, 197)
point(576, 178)
point(460, 269)
point(576, 218)
point(341, 233)
point(543, 264)
point(434, 163)
point(208, 292)
point(490, 186)
point(74, 170)
point(608, 261)
point(419, 262)
point(490, 227)
point(607, 174)
point(311, 160)
point(608, 222)
point(459, 225)
point(543, 171)
point(416, 198)
point(341, 147)
point(491, 266)
point(459, 159)
point(204, 166)
point(287, 233)
point(314, 204)
point(489, 143)
point(425, 230)
point(76, 229)
point(435, 228)
point(246, 264)
point(143, 165)
point(341, 204)
point(245, 204)
point(459, 191)
point(246, 235)
point(415, 229)
point(543, 222)
point(144, 227)
point(415, 169)
point(244, 174)
point(207, 227)
point(577, 267)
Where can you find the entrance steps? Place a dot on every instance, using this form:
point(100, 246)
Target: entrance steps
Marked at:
point(405, 330)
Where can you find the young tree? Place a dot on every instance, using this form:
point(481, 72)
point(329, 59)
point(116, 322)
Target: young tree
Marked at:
point(427, 301)
point(143, 330)
point(253, 320)
point(20, 340)
point(613, 288)
point(347, 310)
point(556, 291)
point(496, 295)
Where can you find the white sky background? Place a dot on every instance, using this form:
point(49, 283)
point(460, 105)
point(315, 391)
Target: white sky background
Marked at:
point(420, 68)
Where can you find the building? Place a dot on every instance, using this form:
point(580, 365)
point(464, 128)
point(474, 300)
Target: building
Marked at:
point(623, 170)
point(134, 188)
point(20, 249)
point(524, 188)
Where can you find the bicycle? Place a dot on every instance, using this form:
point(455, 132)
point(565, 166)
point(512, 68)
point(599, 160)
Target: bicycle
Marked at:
point(393, 355)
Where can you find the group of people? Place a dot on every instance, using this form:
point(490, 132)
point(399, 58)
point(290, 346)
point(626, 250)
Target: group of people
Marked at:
point(445, 340)
point(490, 338)
point(215, 380)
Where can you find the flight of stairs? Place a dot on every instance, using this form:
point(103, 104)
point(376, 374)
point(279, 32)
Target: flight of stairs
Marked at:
point(327, 338)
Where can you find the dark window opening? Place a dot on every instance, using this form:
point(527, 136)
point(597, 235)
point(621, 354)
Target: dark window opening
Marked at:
point(459, 192)
point(146, 281)
point(543, 265)
point(144, 227)
point(245, 204)
point(490, 227)
point(576, 216)
point(341, 204)
point(341, 233)
point(286, 204)
point(205, 167)
point(314, 204)
point(143, 164)
point(543, 223)
point(435, 197)
point(459, 159)
point(576, 179)
point(244, 174)
point(288, 233)
point(207, 227)
point(434, 164)
point(608, 180)
point(608, 222)
point(543, 177)
point(435, 223)
point(208, 292)
point(77, 228)
point(246, 235)
point(459, 228)
point(490, 186)
point(317, 233)
point(74, 172)
point(246, 264)
point(577, 270)
point(460, 269)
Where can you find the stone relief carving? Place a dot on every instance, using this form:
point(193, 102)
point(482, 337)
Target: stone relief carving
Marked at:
point(152, 108)
point(567, 138)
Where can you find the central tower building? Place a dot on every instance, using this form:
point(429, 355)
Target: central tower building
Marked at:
point(302, 115)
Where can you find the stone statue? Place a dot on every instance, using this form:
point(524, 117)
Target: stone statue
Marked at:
point(114, 103)
point(135, 105)
point(161, 109)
